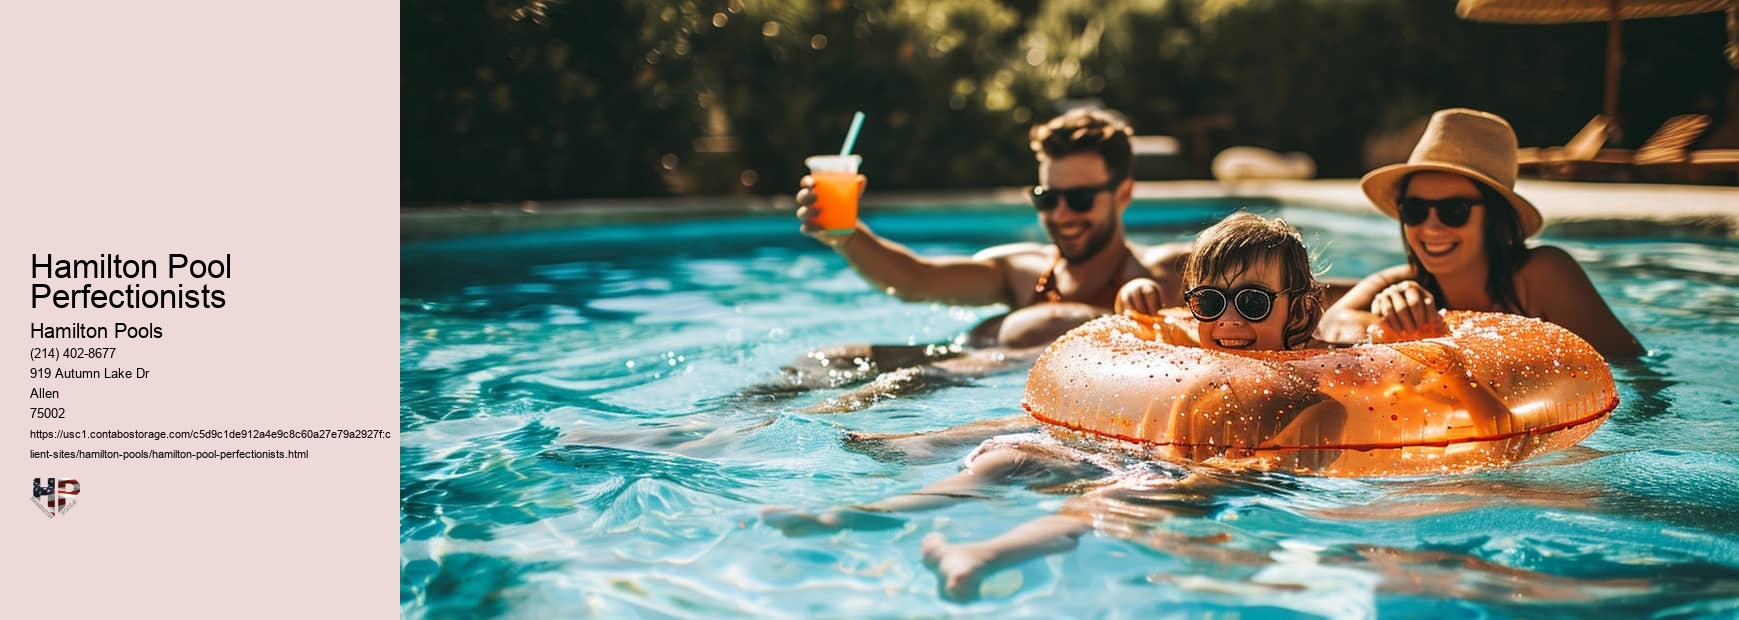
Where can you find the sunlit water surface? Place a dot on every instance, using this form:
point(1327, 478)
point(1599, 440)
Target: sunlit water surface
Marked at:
point(633, 340)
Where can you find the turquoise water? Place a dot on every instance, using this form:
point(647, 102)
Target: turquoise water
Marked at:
point(573, 446)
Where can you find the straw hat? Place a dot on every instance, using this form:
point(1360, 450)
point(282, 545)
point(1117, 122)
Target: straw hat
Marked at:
point(1474, 144)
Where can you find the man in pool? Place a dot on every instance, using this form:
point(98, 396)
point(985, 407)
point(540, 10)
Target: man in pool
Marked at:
point(1085, 166)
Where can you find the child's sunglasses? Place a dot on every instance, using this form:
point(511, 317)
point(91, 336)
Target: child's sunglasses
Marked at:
point(1453, 212)
point(1207, 303)
point(1079, 199)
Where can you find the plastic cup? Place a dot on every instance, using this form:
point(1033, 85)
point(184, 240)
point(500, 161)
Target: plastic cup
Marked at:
point(837, 186)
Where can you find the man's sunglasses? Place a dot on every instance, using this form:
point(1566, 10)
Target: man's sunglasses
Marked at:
point(1207, 303)
point(1453, 212)
point(1079, 199)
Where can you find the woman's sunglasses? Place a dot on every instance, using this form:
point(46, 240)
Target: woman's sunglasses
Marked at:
point(1453, 212)
point(1207, 303)
point(1079, 199)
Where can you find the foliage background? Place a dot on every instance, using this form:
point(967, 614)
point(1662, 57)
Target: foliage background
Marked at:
point(507, 100)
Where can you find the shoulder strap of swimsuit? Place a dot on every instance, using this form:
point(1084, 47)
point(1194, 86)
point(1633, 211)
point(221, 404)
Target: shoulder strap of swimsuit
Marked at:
point(1046, 287)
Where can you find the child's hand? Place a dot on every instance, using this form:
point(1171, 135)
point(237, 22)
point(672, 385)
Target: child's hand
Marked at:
point(1140, 295)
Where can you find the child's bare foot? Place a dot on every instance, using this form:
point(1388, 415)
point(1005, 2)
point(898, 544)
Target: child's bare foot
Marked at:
point(794, 522)
point(958, 568)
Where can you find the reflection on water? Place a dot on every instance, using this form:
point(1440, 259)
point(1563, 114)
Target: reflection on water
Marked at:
point(576, 442)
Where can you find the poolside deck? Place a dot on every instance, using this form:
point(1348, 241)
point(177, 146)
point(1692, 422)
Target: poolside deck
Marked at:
point(1570, 209)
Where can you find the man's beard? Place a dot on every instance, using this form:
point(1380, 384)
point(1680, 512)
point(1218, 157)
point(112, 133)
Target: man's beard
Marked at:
point(1097, 240)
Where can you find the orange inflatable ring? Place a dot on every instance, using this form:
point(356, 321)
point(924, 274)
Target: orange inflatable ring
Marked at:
point(1498, 389)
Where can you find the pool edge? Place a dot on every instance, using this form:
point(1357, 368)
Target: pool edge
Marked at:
point(1588, 210)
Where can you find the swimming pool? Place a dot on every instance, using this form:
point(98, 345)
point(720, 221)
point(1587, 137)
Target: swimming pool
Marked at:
point(633, 340)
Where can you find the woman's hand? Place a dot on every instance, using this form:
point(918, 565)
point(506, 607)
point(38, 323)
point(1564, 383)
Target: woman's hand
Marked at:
point(1140, 295)
point(1407, 308)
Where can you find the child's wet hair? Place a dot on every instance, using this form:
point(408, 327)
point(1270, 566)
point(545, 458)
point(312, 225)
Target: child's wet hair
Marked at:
point(1244, 240)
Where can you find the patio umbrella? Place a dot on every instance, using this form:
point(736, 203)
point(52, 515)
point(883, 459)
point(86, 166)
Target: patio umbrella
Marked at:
point(1610, 11)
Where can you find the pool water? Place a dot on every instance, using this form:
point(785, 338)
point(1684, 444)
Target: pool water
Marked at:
point(574, 444)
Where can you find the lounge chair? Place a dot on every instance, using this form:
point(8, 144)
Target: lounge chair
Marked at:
point(1663, 151)
point(1707, 166)
point(1715, 160)
point(1584, 145)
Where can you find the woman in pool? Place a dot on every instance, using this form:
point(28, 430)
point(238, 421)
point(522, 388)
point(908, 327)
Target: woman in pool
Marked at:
point(1464, 226)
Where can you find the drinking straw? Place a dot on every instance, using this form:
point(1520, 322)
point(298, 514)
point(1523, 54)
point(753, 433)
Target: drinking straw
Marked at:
point(851, 136)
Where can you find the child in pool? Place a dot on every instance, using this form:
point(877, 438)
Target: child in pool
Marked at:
point(1250, 288)
point(1250, 285)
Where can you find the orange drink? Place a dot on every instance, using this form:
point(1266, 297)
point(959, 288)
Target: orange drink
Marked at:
point(837, 186)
